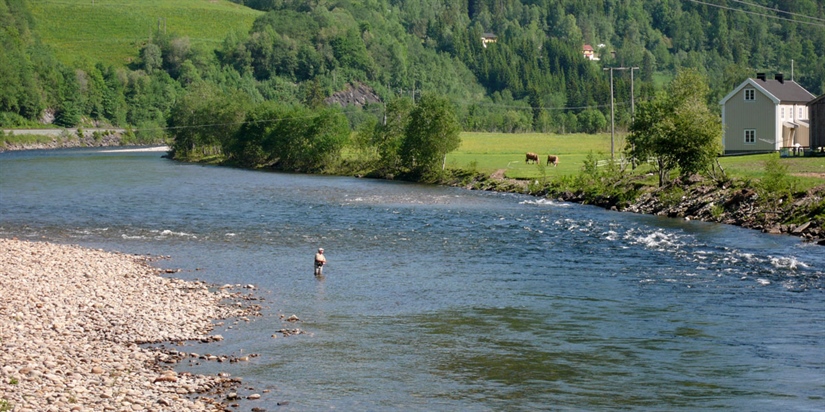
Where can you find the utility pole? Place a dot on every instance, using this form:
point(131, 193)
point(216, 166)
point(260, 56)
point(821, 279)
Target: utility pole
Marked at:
point(632, 95)
point(612, 121)
point(612, 104)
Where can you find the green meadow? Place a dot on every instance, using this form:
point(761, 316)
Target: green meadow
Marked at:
point(810, 169)
point(113, 31)
point(494, 151)
point(489, 152)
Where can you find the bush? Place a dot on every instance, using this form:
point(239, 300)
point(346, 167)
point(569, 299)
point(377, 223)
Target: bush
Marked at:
point(776, 185)
point(671, 196)
point(717, 211)
point(147, 133)
point(12, 120)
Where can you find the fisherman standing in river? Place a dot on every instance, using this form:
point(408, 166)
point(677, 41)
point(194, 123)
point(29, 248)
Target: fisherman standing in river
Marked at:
point(320, 261)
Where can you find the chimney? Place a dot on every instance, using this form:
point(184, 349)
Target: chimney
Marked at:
point(779, 77)
point(761, 76)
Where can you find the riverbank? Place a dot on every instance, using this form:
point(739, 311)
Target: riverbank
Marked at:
point(33, 139)
point(72, 321)
point(733, 203)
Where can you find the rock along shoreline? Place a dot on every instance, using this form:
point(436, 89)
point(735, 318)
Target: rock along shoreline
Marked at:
point(72, 321)
point(700, 200)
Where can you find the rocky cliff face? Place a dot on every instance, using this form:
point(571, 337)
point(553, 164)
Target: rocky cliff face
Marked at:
point(355, 94)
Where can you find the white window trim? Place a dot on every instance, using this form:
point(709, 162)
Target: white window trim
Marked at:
point(752, 93)
point(753, 136)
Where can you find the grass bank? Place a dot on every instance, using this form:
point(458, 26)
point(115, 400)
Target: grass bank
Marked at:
point(113, 31)
point(24, 140)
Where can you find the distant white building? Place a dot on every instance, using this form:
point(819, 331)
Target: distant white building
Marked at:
point(488, 38)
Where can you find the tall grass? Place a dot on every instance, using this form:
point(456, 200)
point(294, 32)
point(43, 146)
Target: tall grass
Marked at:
point(112, 31)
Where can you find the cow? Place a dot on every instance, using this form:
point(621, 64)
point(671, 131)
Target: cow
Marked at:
point(531, 156)
point(552, 159)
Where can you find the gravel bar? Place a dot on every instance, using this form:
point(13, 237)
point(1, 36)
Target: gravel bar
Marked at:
point(72, 321)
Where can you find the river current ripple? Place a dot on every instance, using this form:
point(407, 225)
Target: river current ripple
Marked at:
point(440, 298)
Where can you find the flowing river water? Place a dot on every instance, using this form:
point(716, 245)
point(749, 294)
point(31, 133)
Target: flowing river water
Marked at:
point(439, 298)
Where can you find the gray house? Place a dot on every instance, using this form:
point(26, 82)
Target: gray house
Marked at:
point(816, 108)
point(765, 115)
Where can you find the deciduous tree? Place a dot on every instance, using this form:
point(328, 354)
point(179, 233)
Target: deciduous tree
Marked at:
point(433, 131)
point(204, 119)
point(677, 128)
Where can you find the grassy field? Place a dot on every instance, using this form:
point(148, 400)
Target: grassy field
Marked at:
point(112, 31)
point(494, 151)
point(753, 166)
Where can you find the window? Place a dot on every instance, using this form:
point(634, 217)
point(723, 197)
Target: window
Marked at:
point(750, 95)
point(782, 112)
point(800, 113)
point(750, 136)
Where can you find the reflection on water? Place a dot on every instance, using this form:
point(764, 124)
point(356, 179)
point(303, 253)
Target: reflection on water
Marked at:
point(443, 299)
point(531, 356)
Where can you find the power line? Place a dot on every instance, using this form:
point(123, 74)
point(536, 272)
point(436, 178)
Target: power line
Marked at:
point(505, 106)
point(777, 10)
point(758, 14)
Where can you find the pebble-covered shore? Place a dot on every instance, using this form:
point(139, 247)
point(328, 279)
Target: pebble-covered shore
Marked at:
point(71, 320)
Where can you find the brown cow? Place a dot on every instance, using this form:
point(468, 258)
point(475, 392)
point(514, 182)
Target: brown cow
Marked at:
point(552, 159)
point(531, 156)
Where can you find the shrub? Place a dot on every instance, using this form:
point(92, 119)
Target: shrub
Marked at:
point(776, 185)
point(717, 211)
point(671, 196)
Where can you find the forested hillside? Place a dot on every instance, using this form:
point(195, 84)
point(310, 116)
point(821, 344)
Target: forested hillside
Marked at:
point(532, 77)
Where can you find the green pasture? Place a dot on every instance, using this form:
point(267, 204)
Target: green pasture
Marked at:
point(495, 151)
point(488, 152)
point(809, 170)
point(112, 31)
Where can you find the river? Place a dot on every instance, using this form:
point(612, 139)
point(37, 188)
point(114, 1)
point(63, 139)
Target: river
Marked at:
point(444, 299)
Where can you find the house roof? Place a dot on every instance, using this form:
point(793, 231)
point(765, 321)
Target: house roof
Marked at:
point(587, 47)
point(788, 91)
